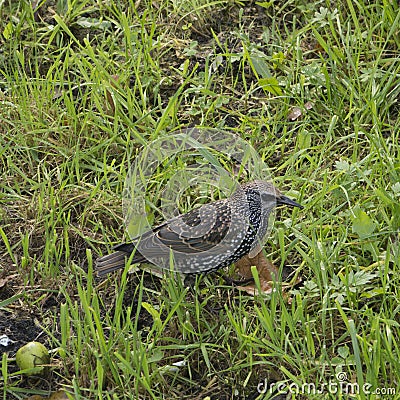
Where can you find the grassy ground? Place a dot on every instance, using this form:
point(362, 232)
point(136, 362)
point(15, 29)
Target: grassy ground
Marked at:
point(313, 86)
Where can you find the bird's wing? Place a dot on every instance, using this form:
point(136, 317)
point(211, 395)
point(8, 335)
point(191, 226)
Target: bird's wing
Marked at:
point(197, 231)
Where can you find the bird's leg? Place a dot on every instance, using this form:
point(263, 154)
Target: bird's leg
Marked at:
point(189, 281)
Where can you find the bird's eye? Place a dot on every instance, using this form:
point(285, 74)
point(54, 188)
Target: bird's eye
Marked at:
point(267, 197)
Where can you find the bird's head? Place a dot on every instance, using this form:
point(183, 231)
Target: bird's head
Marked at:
point(265, 195)
point(256, 200)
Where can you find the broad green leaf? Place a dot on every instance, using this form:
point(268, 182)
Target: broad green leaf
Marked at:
point(361, 278)
point(260, 66)
point(343, 351)
point(154, 313)
point(304, 140)
point(270, 85)
point(265, 4)
point(156, 356)
point(363, 225)
point(7, 31)
point(342, 165)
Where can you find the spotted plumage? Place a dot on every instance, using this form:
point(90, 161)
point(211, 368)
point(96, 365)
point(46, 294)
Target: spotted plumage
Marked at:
point(207, 238)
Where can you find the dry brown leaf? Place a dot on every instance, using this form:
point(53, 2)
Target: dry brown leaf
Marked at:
point(265, 268)
point(267, 273)
point(110, 100)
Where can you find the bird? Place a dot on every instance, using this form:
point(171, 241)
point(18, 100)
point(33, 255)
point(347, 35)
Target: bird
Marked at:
point(207, 238)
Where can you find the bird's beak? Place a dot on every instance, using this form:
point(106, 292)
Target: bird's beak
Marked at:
point(283, 200)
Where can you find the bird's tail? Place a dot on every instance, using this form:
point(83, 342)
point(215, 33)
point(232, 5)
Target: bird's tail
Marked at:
point(110, 262)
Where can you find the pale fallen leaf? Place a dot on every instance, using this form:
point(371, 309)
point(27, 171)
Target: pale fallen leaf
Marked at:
point(3, 281)
point(294, 114)
point(309, 105)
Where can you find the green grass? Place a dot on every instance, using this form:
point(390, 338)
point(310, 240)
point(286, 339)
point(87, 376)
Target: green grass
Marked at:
point(85, 86)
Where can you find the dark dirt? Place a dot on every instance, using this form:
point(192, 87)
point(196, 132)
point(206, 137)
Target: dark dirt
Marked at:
point(20, 328)
point(19, 325)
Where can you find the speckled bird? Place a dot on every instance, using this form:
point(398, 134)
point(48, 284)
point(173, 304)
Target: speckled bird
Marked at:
point(207, 238)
